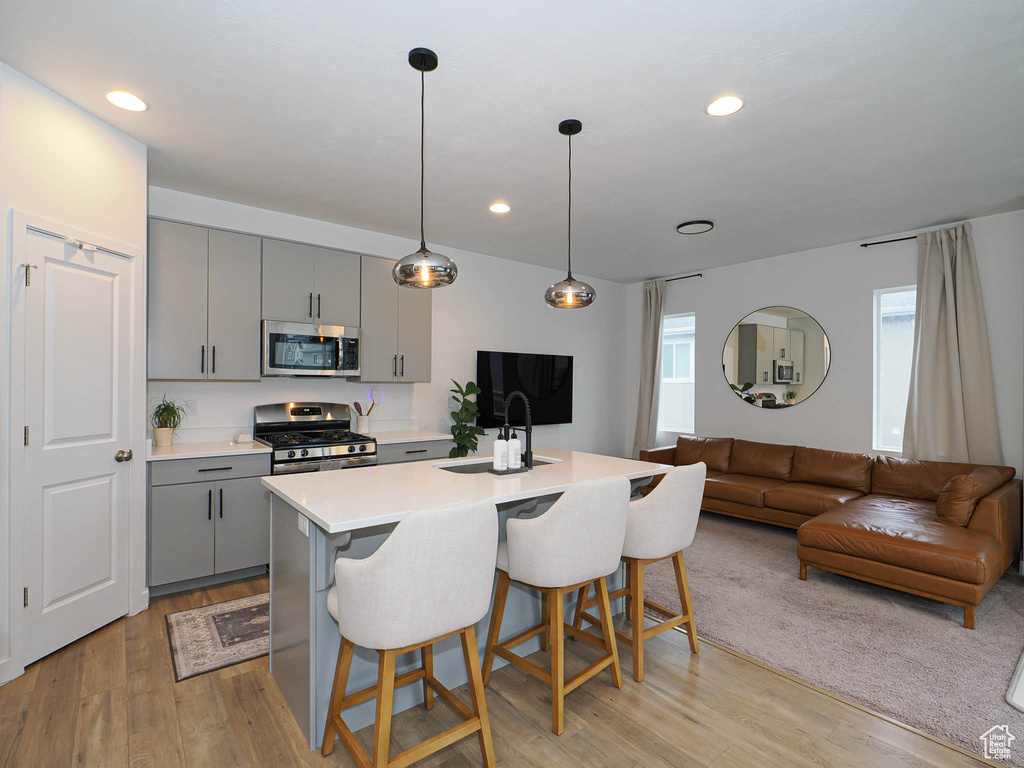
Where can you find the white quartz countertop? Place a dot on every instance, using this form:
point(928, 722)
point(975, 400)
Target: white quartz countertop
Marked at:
point(351, 499)
point(407, 436)
point(203, 450)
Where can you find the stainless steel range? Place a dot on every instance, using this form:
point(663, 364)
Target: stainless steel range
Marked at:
point(311, 437)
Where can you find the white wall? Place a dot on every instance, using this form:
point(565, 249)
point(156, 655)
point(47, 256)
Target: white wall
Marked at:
point(494, 304)
point(835, 286)
point(62, 163)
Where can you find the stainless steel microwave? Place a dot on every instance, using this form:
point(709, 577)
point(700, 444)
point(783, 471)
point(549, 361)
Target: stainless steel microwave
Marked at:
point(784, 371)
point(307, 349)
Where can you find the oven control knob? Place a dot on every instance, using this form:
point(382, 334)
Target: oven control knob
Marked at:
point(362, 448)
point(304, 452)
point(351, 449)
point(291, 454)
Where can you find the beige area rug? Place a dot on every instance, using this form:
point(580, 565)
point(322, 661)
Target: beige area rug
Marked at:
point(905, 657)
point(219, 635)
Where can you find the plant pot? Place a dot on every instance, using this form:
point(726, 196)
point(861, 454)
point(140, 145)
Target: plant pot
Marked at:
point(163, 436)
point(791, 401)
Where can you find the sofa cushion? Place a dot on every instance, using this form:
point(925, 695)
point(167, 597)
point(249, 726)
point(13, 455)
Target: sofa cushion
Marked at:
point(835, 468)
point(761, 459)
point(959, 498)
point(743, 489)
point(808, 498)
point(920, 479)
point(713, 451)
point(903, 532)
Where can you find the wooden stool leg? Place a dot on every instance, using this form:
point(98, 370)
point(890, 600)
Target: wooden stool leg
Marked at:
point(337, 694)
point(428, 671)
point(476, 691)
point(500, 595)
point(608, 630)
point(385, 702)
point(556, 618)
point(684, 597)
point(629, 583)
point(636, 618)
point(545, 637)
point(581, 605)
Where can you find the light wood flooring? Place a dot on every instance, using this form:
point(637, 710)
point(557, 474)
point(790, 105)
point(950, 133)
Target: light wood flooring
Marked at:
point(110, 700)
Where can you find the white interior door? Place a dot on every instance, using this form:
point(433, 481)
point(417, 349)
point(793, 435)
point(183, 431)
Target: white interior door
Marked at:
point(77, 390)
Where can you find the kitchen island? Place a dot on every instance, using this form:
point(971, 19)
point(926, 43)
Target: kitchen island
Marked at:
point(318, 516)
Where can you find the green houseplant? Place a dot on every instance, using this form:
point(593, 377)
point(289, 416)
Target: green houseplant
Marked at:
point(465, 433)
point(791, 396)
point(742, 391)
point(166, 418)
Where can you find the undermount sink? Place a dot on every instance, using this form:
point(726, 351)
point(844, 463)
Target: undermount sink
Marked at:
point(481, 466)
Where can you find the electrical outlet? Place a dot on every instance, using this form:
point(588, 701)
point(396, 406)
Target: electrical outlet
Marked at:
point(191, 407)
point(303, 524)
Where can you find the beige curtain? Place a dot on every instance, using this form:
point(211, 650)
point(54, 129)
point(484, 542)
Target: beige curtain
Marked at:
point(650, 367)
point(951, 408)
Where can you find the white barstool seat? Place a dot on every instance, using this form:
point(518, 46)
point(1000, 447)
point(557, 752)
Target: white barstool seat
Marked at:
point(429, 580)
point(659, 526)
point(578, 541)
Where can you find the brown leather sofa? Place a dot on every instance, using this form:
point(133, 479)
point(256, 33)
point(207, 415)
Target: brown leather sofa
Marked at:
point(941, 530)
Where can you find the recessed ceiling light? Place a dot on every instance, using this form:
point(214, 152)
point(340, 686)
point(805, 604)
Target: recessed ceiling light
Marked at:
point(126, 100)
point(500, 208)
point(726, 105)
point(695, 227)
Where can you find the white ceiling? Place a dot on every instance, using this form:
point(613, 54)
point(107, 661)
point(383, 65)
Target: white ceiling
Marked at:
point(862, 118)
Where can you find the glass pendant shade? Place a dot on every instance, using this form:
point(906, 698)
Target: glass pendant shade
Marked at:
point(570, 294)
point(425, 269)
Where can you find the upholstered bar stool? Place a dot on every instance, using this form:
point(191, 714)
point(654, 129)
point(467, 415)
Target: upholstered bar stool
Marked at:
point(659, 526)
point(429, 580)
point(578, 541)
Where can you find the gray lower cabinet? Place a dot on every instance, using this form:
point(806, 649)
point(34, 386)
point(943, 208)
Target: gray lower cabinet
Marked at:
point(395, 343)
point(420, 450)
point(206, 519)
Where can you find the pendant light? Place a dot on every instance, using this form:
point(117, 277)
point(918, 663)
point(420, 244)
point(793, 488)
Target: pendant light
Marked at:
point(570, 293)
point(424, 269)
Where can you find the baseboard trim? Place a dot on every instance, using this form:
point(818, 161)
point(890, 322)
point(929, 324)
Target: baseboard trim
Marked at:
point(207, 581)
point(844, 700)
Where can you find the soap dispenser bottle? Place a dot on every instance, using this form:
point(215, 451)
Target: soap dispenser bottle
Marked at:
point(500, 460)
point(515, 455)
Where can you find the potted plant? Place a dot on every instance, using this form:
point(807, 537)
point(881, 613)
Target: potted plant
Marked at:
point(743, 392)
point(465, 433)
point(790, 397)
point(166, 418)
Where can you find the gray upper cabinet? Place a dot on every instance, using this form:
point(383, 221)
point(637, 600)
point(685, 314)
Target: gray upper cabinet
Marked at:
point(234, 311)
point(306, 284)
point(177, 300)
point(396, 325)
point(204, 288)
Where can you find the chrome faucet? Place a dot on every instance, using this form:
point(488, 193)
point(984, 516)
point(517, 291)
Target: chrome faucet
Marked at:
point(528, 461)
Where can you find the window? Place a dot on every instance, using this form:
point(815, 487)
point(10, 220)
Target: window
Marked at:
point(675, 411)
point(895, 310)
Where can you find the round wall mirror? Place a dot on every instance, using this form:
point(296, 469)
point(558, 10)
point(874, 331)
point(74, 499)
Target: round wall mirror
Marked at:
point(776, 357)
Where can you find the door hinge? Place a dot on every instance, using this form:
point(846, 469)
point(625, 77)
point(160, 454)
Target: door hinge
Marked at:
point(26, 597)
point(26, 435)
point(28, 273)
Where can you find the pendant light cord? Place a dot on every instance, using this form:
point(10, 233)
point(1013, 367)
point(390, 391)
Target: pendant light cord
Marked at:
point(423, 130)
point(569, 222)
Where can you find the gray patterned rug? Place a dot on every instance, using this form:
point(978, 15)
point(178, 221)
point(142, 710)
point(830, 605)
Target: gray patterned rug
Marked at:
point(217, 636)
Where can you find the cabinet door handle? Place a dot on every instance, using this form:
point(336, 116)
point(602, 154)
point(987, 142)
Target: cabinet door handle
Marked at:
point(401, 371)
point(221, 503)
point(202, 359)
point(394, 366)
point(209, 504)
point(213, 359)
point(318, 306)
point(418, 450)
point(215, 469)
point(310, 303)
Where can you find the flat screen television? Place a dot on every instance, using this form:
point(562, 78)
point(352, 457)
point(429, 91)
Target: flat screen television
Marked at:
point(546, 380)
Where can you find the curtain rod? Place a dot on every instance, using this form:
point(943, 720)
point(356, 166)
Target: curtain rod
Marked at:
point(683, 277)
point(894, 240)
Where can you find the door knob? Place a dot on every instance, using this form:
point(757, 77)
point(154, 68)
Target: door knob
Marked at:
point(122, 456)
